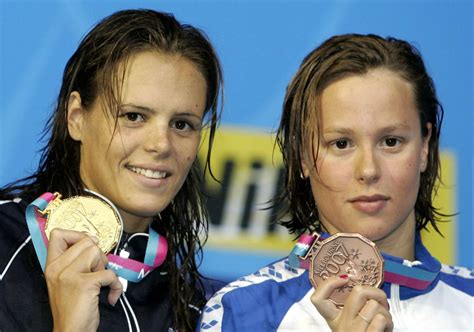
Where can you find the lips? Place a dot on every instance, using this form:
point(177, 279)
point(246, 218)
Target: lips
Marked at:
point(369, 204)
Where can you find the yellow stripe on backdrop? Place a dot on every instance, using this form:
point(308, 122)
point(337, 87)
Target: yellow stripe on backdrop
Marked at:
point(249, 167)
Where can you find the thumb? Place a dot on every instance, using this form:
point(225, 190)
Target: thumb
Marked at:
point(320, 297)
point(60, 240)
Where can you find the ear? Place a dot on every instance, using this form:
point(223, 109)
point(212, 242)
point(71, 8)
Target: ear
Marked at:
point(75, 116)
point(305, 165)
point(425, 149)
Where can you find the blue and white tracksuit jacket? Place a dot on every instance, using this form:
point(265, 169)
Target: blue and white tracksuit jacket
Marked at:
point(277, 298)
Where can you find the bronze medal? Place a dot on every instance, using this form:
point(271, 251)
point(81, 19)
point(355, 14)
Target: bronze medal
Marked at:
point(346, 253)
point(86, 214)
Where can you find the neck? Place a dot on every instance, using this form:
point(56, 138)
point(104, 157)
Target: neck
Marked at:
point(134, 224)
point(401, 241)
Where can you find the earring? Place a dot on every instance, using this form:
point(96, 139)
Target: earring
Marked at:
point(423, 165)
point(313, 221)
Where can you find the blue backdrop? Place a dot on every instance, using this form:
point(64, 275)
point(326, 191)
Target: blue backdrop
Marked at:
point(261, 44)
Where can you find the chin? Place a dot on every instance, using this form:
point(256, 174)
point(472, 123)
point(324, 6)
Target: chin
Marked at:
point(143, 209)
point(148, 206)
point(376, 236)
point(147, 212)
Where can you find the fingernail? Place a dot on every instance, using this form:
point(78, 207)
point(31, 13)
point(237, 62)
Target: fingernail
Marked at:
point(96, 240)
point(343, 276)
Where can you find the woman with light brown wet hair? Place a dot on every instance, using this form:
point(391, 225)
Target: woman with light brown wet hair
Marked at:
point(126, 129)
point(359, 135)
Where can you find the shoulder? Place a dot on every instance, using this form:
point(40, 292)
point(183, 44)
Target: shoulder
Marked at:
point(447, 305)
point(13, 228)
point(275, 275)
point(23, 293)
point(458, 277)
point(12, 217)
point(258, 298)
point(12, 205)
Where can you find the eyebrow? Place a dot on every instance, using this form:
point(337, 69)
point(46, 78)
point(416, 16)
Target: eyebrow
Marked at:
point(152, 111)
point(347, 130)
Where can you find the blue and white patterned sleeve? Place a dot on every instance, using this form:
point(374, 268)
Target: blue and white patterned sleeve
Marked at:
point(258, 302)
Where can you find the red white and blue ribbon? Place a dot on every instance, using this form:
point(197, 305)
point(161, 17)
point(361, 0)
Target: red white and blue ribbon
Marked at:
point(129, 269)
point(395, 272)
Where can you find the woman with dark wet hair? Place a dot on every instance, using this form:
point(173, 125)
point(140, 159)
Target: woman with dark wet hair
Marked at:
point(135, 98)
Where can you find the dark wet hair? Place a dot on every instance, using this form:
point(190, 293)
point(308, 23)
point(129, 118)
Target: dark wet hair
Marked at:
point(336, 58)
point(97, 69)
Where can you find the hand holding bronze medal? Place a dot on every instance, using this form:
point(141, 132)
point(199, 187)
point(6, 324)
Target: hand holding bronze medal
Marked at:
point(86, 214)
point(345, 254)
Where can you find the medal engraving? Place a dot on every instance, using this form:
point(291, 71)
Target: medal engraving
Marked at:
point(346, 253)
point(84, 214)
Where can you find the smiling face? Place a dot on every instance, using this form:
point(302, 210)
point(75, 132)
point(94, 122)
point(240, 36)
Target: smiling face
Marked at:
point(371, 154)
point(142, 163)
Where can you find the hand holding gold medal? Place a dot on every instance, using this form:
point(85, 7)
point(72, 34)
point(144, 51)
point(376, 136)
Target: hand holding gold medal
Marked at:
point(88, 214)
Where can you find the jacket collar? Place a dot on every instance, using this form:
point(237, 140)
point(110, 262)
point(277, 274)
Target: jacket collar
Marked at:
point(414, 278)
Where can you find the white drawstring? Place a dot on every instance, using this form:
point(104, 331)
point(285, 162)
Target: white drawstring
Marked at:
point(131, 311)
point(124, 282)
point(126, 315)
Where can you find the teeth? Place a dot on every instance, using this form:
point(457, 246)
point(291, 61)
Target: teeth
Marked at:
point(148, 172)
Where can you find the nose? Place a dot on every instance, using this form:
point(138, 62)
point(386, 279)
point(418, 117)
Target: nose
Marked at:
point(158, 140)
point(367, 169)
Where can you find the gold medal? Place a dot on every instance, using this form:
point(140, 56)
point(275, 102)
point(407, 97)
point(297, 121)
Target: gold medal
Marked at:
point(84, 214)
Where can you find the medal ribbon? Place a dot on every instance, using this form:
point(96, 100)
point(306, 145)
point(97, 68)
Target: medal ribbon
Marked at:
point(394, 272)
point(129, 269)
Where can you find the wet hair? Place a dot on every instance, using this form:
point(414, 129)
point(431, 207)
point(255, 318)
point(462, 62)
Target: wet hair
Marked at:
point(336, 58)
point(97, 68)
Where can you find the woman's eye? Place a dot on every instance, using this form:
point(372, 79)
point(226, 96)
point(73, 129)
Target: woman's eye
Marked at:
point(392, 141)
point(182, 125)
point(134, 117)
point(341, 144)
